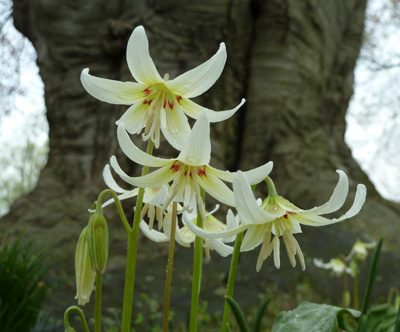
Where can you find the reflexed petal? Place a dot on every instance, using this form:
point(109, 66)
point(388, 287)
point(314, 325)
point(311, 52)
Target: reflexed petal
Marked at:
point(253, 176)
point(198, 80)
point(194, 110)
point(177, 130)
point(254, 236)
point(197, 149)
point(311, 219)
point(152, 234)
point(249, 211)
point(138, 58)
point(216, 188)
point(110, 182)
point(134, 118)
point(221, 248)
point(231, 220)
point(134, 153)
point(126, 195)
point(213, 235)
point(337, 199)
point(153, 179)
point(110, 91)
point(158, 199)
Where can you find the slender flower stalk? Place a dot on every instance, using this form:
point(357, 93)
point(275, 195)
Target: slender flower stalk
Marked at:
point(118, 206)
point(231, 282)
point(97, 310)
point(197, 272)
point(169, 267)
point(81, 316)
point(133, 235)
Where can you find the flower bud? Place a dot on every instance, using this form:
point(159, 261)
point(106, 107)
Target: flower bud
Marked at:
point(97, 238)
point(83, 270)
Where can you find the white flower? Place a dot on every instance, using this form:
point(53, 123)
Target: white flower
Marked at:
point(337, 266)
point(159, 103)
point(189, 172)
point(360, 251)
point(278, 216)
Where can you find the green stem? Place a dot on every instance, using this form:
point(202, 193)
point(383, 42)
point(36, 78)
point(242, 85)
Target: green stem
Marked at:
point(81, 315)
point(97, 309)
point(397, 325)
point(133, 235)
point(231, 281)
point(371, 277)
point(363, 320)
point(169, 268)
point(197, 271)
point(118, 206)
point(355, 292)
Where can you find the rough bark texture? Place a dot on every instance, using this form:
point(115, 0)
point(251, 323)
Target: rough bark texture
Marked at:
point(292, 60)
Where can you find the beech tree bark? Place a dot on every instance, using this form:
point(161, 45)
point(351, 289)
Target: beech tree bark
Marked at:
point(292, 60)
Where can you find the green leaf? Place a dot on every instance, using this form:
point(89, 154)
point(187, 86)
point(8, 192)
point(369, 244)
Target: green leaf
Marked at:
point(260, 314)
point(238, 313)
point(311, 317)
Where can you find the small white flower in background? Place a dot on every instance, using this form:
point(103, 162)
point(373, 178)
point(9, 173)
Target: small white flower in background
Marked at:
point(360, 250)
point(336, 265)
point(278, 216)
point(189, 172)
point(159, 103)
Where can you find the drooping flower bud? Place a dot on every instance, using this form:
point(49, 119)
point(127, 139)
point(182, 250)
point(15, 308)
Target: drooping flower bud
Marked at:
point(97, 238)
point(84, 273)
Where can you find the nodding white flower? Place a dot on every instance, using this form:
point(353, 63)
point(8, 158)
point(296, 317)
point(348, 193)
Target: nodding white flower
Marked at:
point(279, 217)
point(159, 103)
point(184, 236)
point(360, 251)
point(337, 266)
point(189, 172)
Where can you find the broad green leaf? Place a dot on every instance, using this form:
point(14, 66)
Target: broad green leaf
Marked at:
point(311, 317)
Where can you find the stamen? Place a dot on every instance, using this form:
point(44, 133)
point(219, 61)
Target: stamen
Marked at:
point(289, 247)
point(151, 215)
point(265, 252)
point(199, 200)
point(173, 190)
point(144, 210)
point(300, 253)
point(163, 118)
point(260, 261)
point(277, 260)
point(207, 247)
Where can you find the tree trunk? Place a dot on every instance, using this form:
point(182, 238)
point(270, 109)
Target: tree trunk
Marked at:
point(292, 60)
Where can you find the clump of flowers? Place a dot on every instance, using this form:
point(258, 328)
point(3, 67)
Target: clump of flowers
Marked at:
point(170, 199)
